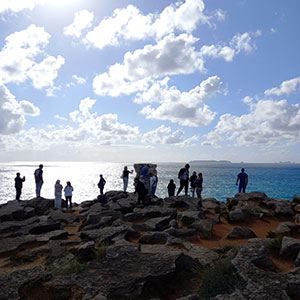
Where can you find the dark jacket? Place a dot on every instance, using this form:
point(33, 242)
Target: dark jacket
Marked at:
point(19, 182)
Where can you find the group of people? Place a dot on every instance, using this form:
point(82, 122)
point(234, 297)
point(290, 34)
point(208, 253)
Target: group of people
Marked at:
point(58, 188)
point(195, 181)
point(145, 182)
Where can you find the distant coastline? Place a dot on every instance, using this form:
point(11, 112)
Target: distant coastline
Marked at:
point(211, 161)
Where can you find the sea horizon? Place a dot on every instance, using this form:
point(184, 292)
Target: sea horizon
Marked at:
point(276, 180)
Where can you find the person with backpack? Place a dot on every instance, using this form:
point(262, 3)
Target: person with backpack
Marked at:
point(183, 175)
point(18, 185)
point(38, 177)
point(101, 184)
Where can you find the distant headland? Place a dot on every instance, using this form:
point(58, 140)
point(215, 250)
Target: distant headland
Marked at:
point(210, 161)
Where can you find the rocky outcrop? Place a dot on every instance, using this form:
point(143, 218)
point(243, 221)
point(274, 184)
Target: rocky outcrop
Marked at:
point(110, 248)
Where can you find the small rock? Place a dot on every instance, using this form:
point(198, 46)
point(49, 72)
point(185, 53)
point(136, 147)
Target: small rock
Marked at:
point(236, 215)
point(290, 247)
point(241, 232)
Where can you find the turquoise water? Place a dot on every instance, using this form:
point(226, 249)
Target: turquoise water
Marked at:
point(280, 181)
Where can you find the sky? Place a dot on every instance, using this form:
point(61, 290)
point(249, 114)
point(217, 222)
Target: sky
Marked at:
point(158, 81)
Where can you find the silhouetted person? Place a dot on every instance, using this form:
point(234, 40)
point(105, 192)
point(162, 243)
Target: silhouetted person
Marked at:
point(192, 183)
point(101, 184)
point(38, 176)
point(125, 176)
point(171, 188)
point(153, 184)
point(57, 193)
point(243, 179)
point(183, 175)
point(198, 187)
point(68, 193)
point(18, 185)
point(141, 189)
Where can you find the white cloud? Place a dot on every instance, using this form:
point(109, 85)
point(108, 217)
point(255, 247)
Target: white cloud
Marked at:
point(213, 51)
point(29, 109)
point(44, 73)
point(164, 136)
point(18, 5)
point(12, 112)
point(82, 20)
point(286, 87)
point(242, 42)
point(269, 122)
point(19, 52)
point(130, 24)
point(170, 56)
point(60, 117)
point(79, 80)
point(184, 108)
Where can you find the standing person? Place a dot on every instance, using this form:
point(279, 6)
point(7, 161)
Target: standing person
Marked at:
point(243, 179)
point(183, 175)
point(153, 184)
point(68, 193)
point(171, 188)
point(101, 184)
point(141, 190)
point(125, 176)
point(145, 176)
point(57, 193)
point(198, 187)
point(18, 185)
point(38, 176)
point(192, 183)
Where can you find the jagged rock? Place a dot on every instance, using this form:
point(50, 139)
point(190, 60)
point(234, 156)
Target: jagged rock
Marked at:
point(148, 213)
point(10, 284)
point(216, 219)
point(296, 208)
point(87, 204)
point(241, 232)
point(236, 215)
point(290, 247)
point(14, 226)
point(284, 209)
point(12, 244)
point(126, 205)
point(12, 210)
point(41, 205)
point(52, 235)
point(58, 215)
point(95, 218)
point(158, 224)
point(287, 228)
point(297, 218)
point(84, 252)
point(43, 227)
point(204, 228)
point(297, 261)
point(122, 249)
point(189, 217)
point(189, 297)
point(251, 263)
point(154, 238)
point(174, 224)
point(181, 232)
point(113, 196)
point(210, 203)
point(104, 235)
point(203, 255)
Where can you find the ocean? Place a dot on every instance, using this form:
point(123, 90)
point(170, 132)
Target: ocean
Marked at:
point(281, 181)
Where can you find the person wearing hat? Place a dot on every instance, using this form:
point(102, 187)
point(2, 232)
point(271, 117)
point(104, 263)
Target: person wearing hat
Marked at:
point(183, 175)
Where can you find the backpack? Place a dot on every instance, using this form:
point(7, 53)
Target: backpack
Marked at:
point(181, 171)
